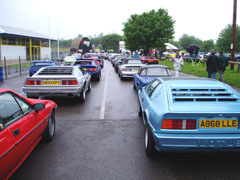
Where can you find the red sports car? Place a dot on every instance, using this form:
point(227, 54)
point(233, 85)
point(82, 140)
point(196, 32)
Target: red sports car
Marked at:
point(23, 123)
point(149, 60)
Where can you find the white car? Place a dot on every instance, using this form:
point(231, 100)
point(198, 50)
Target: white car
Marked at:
point(129, 67)
point(51, 81)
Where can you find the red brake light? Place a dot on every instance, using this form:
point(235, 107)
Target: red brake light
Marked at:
point(30, 82)
point(72, 82)
point(124, 69)
point(179, 124)
point(64, 82)
point(38, 82)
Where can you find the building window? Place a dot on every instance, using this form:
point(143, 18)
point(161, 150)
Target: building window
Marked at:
point(23, 42)
point(35, 42)
point(11, 41)
point(4, 41)
point(19, 42)
point(45, 43)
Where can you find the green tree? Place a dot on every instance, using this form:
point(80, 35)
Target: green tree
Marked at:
point(207, 46)
point(96, 40)
point(225, 39)
point(186, 40)
point(148, 30)
point(111, 41)
point(65, 43)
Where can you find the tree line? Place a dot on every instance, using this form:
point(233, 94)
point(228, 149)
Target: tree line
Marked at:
point(155, 28)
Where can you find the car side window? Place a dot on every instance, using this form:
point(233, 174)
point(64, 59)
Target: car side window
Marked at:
point(26, 108)
point(144, 72)
point(12, 108)
point(80, 72)
point(152, 86)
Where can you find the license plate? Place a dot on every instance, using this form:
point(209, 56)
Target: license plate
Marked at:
point(134, 70)
point(230, 123)
point(51, 83)
point(150, 60)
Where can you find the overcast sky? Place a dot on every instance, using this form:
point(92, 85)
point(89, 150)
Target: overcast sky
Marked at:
point(203, 19)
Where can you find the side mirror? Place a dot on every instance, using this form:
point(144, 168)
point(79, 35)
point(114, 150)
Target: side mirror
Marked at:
point(2, 124)
point(38, 106)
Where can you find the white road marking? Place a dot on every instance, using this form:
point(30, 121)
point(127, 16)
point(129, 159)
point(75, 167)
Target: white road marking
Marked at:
point(102, 111)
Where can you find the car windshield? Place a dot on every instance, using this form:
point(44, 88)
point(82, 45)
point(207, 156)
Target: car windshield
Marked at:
point(155, 72)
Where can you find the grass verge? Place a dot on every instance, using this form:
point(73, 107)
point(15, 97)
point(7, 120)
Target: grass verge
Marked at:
point(231, 77)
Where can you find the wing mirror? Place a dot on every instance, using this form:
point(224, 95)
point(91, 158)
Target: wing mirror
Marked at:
point(38, 106)
point(1, 124)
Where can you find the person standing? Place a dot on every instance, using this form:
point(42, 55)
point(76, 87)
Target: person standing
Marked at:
point(212, 64)
point(222, 64)
point(177, 63)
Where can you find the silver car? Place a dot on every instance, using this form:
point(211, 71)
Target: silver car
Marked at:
point(51, 81)
point(129, 67)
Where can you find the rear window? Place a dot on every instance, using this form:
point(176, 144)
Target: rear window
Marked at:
point(149, 57)
point(42, 64)
point(84, 63)
point(134, 62)
point(56, 71)
point(155, 72)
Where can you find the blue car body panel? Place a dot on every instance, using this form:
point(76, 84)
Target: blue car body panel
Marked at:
point(199, 99)
point(39, 64)
point(140, 81)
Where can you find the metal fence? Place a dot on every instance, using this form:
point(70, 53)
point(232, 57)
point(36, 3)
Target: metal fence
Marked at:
point(12, 70)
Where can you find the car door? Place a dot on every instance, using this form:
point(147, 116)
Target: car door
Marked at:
point(23, 125)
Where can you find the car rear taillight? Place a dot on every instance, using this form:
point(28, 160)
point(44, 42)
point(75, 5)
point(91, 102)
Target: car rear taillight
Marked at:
point(30, 82)
point(38, 82)
point(179, 124)
point(124, 69)
point(92, 69)
point(69, 82)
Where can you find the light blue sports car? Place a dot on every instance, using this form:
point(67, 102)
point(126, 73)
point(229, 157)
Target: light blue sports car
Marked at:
point(190, 114)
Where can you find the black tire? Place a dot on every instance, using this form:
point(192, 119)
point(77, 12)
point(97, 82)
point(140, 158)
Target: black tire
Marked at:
point(121, 77)
point(134, 87)
point(140, 111)
point(50, 130)
point(82, 95)
point(99, 77)
point(149, 142)
point(89, 86)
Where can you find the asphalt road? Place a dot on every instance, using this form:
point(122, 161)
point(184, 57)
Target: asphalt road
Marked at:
point(102, 139)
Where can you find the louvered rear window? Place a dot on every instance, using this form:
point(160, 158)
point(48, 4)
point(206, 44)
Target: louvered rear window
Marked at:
point(56, 71)
point(203, 95)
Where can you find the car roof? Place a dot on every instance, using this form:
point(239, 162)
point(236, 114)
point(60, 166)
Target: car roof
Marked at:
point(2, 90)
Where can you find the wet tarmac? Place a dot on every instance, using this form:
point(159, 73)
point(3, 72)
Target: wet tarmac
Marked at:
point(102, 139)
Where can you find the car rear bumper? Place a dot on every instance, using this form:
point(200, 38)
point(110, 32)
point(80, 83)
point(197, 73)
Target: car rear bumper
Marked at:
point(52, 91)
point(198, 143)
point(128, 74)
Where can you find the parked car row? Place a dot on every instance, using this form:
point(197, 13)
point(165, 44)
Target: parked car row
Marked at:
point(183, 114)
point(25, 121)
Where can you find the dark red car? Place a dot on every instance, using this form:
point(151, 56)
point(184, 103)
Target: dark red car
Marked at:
point(149, 60)
point(23, 123)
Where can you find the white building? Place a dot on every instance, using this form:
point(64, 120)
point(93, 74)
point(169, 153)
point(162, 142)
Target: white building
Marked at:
point(27, 44)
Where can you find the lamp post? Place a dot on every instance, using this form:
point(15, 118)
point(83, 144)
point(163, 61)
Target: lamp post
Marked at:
point(233, 33)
